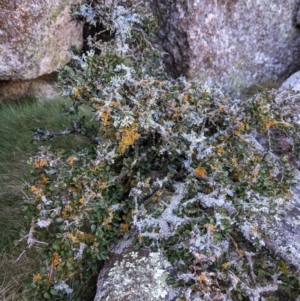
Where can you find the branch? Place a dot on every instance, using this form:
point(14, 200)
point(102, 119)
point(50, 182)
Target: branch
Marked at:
point(77, 128)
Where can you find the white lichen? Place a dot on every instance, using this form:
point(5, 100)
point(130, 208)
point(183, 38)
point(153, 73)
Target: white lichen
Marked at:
point(136, 277)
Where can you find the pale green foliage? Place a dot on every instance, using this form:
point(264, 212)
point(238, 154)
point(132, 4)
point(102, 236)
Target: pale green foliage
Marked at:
point(175, 159)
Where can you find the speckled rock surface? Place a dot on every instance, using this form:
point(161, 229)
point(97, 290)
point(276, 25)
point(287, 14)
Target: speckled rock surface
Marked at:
point(35, 37)
point(42, 88)
point(284, 235)
point(236, 44)
point(133, 276)
point(293, 82)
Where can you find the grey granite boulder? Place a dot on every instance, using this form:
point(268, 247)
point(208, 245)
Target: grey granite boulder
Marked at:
point(133, 275)
point(41, 88)
point(35, 37)
point(293, 82)
point(235, 44)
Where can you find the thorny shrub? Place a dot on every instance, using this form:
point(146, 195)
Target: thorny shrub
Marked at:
point(172, 163)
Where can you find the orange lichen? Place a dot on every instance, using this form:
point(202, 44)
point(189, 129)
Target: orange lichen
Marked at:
point(43, 179)
point(225, 265)
point(200, 172)
point(287, 125)
point(37, 277)
point(77, 92)
point(82, 201)
point(80, 235)
point(255, 174)
point(71, 160)
point(202, 278)
point(211, 227)
point(221, 108)
point(90, 236)
point(115, 104)
point(124, 227)
point(55, 260)
point(214, 167)
point(108, 220)
point(270, 123)
point(72, 237)
point(35, 190)
point(254, 229)
point(221, 150)
point(68, 207)
point(158, 192)
point(105, 118)
point(39, 163)
point(128, 136)
point(103, 185)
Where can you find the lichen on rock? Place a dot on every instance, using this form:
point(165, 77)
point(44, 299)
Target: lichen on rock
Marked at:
point(35, 38)
point(233, 44)
point(136, 275)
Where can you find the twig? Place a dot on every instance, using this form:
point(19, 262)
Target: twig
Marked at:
point(250, 263)
point(29, 236)
point(269, 139)
point(253, 293)
point(20, 256)
point(146, 40)
point(30, 239)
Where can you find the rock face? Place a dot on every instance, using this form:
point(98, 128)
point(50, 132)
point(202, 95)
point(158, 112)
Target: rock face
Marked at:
point(133, 275)
point(35, 37)
point(236, 44)
point(293, 82)
point(284, 235)
point(42, 88)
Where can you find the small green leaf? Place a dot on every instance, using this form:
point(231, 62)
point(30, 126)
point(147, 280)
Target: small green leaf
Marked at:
point(170, 280)
point(53, 292)
point(70, 265)
point(59, 220)
point(56, 246)
point(47, 296)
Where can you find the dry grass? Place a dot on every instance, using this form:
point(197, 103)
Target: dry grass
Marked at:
point(13, 274)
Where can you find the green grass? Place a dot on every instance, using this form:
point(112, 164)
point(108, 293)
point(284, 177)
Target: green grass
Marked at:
point(17, 122)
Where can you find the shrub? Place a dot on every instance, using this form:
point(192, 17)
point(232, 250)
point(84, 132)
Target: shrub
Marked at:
point(172, 163)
